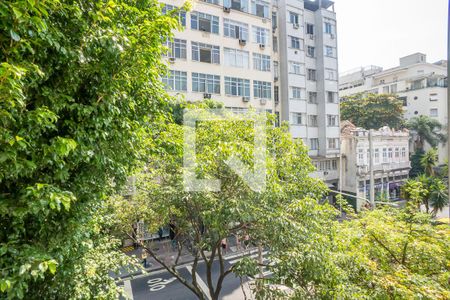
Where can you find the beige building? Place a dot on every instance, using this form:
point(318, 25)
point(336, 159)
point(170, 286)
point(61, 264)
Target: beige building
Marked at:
point(279, 56)
point(421, 85)
point(391, 163)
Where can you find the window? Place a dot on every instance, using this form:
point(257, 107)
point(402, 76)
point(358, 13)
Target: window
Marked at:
point(205, 83)
point(276, 70)
point(296, 43)
point(234, 29)
point(328, 28)
point(276, 94)
point(204, 22)
point(236, 58)
point(377, 156)
point(403, 152)
point(330, 51)
point(386, 89)
point(175, 81)
point(237, 87)
point(212, 1)
point(390, 154)
point(385, 158)
point(262, 89)
point(393, 88)
point(274, 20)
point(296, 118)
point(311, 74)
point(360, 156)
point(275, 44)
point(241, 5)
point(333, 143)
point(170, 9)
point(260, 8)
point(314, 144)
point(313, 121)
point(433, 112)
point(311, 51)
point(297, 93)
point(177, 48)
point(334, 164)
point(296, 68)
point(332, 120)
point(260, 35)
point(205, 53)
point(309, 28)
point(312, 97)
point(397, 152)
point(331, 97)
point(434, 97)
point(331, 74)
point(261, 62)
point(293, 18)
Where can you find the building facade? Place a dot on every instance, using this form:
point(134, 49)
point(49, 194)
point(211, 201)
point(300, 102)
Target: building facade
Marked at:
point(422, 86)
point(391, 163)
point(279, 56)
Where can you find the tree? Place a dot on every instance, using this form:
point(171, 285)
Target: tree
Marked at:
point(79, 81)
point(416, 166)
point(373, 111)
point(426, 129)
point(429, 161)
point(204, 218)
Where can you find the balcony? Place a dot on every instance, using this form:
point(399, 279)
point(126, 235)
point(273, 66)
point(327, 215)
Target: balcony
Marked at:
point(363, 169)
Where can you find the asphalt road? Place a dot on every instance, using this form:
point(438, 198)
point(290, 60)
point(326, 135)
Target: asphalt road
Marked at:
point(162, 285)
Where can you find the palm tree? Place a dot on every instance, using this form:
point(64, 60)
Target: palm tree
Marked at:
point(438, 196)
point(429, 161)
point(426, 129)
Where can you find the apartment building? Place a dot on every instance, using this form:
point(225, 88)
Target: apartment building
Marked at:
point(391, 163)
point(279, 56)
point(421, 85)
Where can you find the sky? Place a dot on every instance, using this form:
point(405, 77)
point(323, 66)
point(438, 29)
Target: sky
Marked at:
point(379, 32)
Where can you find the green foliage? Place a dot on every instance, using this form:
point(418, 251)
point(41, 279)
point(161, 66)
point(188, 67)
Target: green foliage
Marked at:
point(426, 129)
point(79, 80)
point(429, 161)
point(416, 166)
point(373, 111)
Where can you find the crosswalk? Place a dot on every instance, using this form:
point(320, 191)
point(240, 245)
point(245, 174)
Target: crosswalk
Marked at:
point(254, 253)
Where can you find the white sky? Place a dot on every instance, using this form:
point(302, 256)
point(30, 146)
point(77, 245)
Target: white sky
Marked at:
point(379, 32)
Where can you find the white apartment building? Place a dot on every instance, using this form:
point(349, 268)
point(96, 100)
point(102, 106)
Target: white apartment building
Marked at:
point(280, 56)
point(391, 163)
point(422, 86)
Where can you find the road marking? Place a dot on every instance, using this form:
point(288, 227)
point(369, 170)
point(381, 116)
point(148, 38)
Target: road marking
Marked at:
point(251, 256)
point(201, 283)
point(127, 289)
point(240, 254)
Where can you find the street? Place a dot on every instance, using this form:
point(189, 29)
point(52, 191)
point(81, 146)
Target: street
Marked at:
point(162, 285)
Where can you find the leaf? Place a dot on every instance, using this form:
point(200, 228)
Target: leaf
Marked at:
point(52, 264)
point(14, 35)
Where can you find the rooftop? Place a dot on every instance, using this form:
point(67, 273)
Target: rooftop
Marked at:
point(314, 5)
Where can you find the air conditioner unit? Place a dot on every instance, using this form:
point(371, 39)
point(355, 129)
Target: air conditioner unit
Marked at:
point(296, 25)
point(263, 101)
point(262, 46)
point(242, 42)
point(264, 20)
point(206, 96)
point(311, 36)
point(332, 36)
point(172, 59)
point(226, 9)
point(245, 99)
point(325, 173)
point(275, 78)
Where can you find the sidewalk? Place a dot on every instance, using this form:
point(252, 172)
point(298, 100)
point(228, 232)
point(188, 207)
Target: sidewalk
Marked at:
point(163, 249)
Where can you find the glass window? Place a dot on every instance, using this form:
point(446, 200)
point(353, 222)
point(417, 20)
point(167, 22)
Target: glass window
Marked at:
point(276, 94)
point(331, 74)
point(260, 8)
point(312, 97)
point(311, 74)
point(397, 152)
point(309, 28)
point(205, 83)
point(311, 51)
point(313, 121)
point(275, 44)
point(296, 68)
point(261, 62)
point(360, 156)
point(205, 53)
point(332, 97)
point(293, 18)
point(236, 58)
point(260, 35)
point(204, 22)
point(385, 158)
point(433, 112)
point(329, 28)
point(297, 93)
point(314, 144)
point(403, 152)
point(262, 89)
point(177, 48)
point(296, 43)
point(235, 29)
point(173, 10)
point(241, 5)
point(333, 120)
point(296, 118)
point(237, 87)
point(330, 51)
point(175, 80)
point(274, 20)
point(333, 143)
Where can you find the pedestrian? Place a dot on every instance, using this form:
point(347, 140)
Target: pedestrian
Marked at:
point(144, 258)
point(160, 233)
point(223, 244)
point(172, 234)
point(246, 241)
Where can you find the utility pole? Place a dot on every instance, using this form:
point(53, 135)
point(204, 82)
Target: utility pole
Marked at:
point(448, 106)
point(372, 181)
